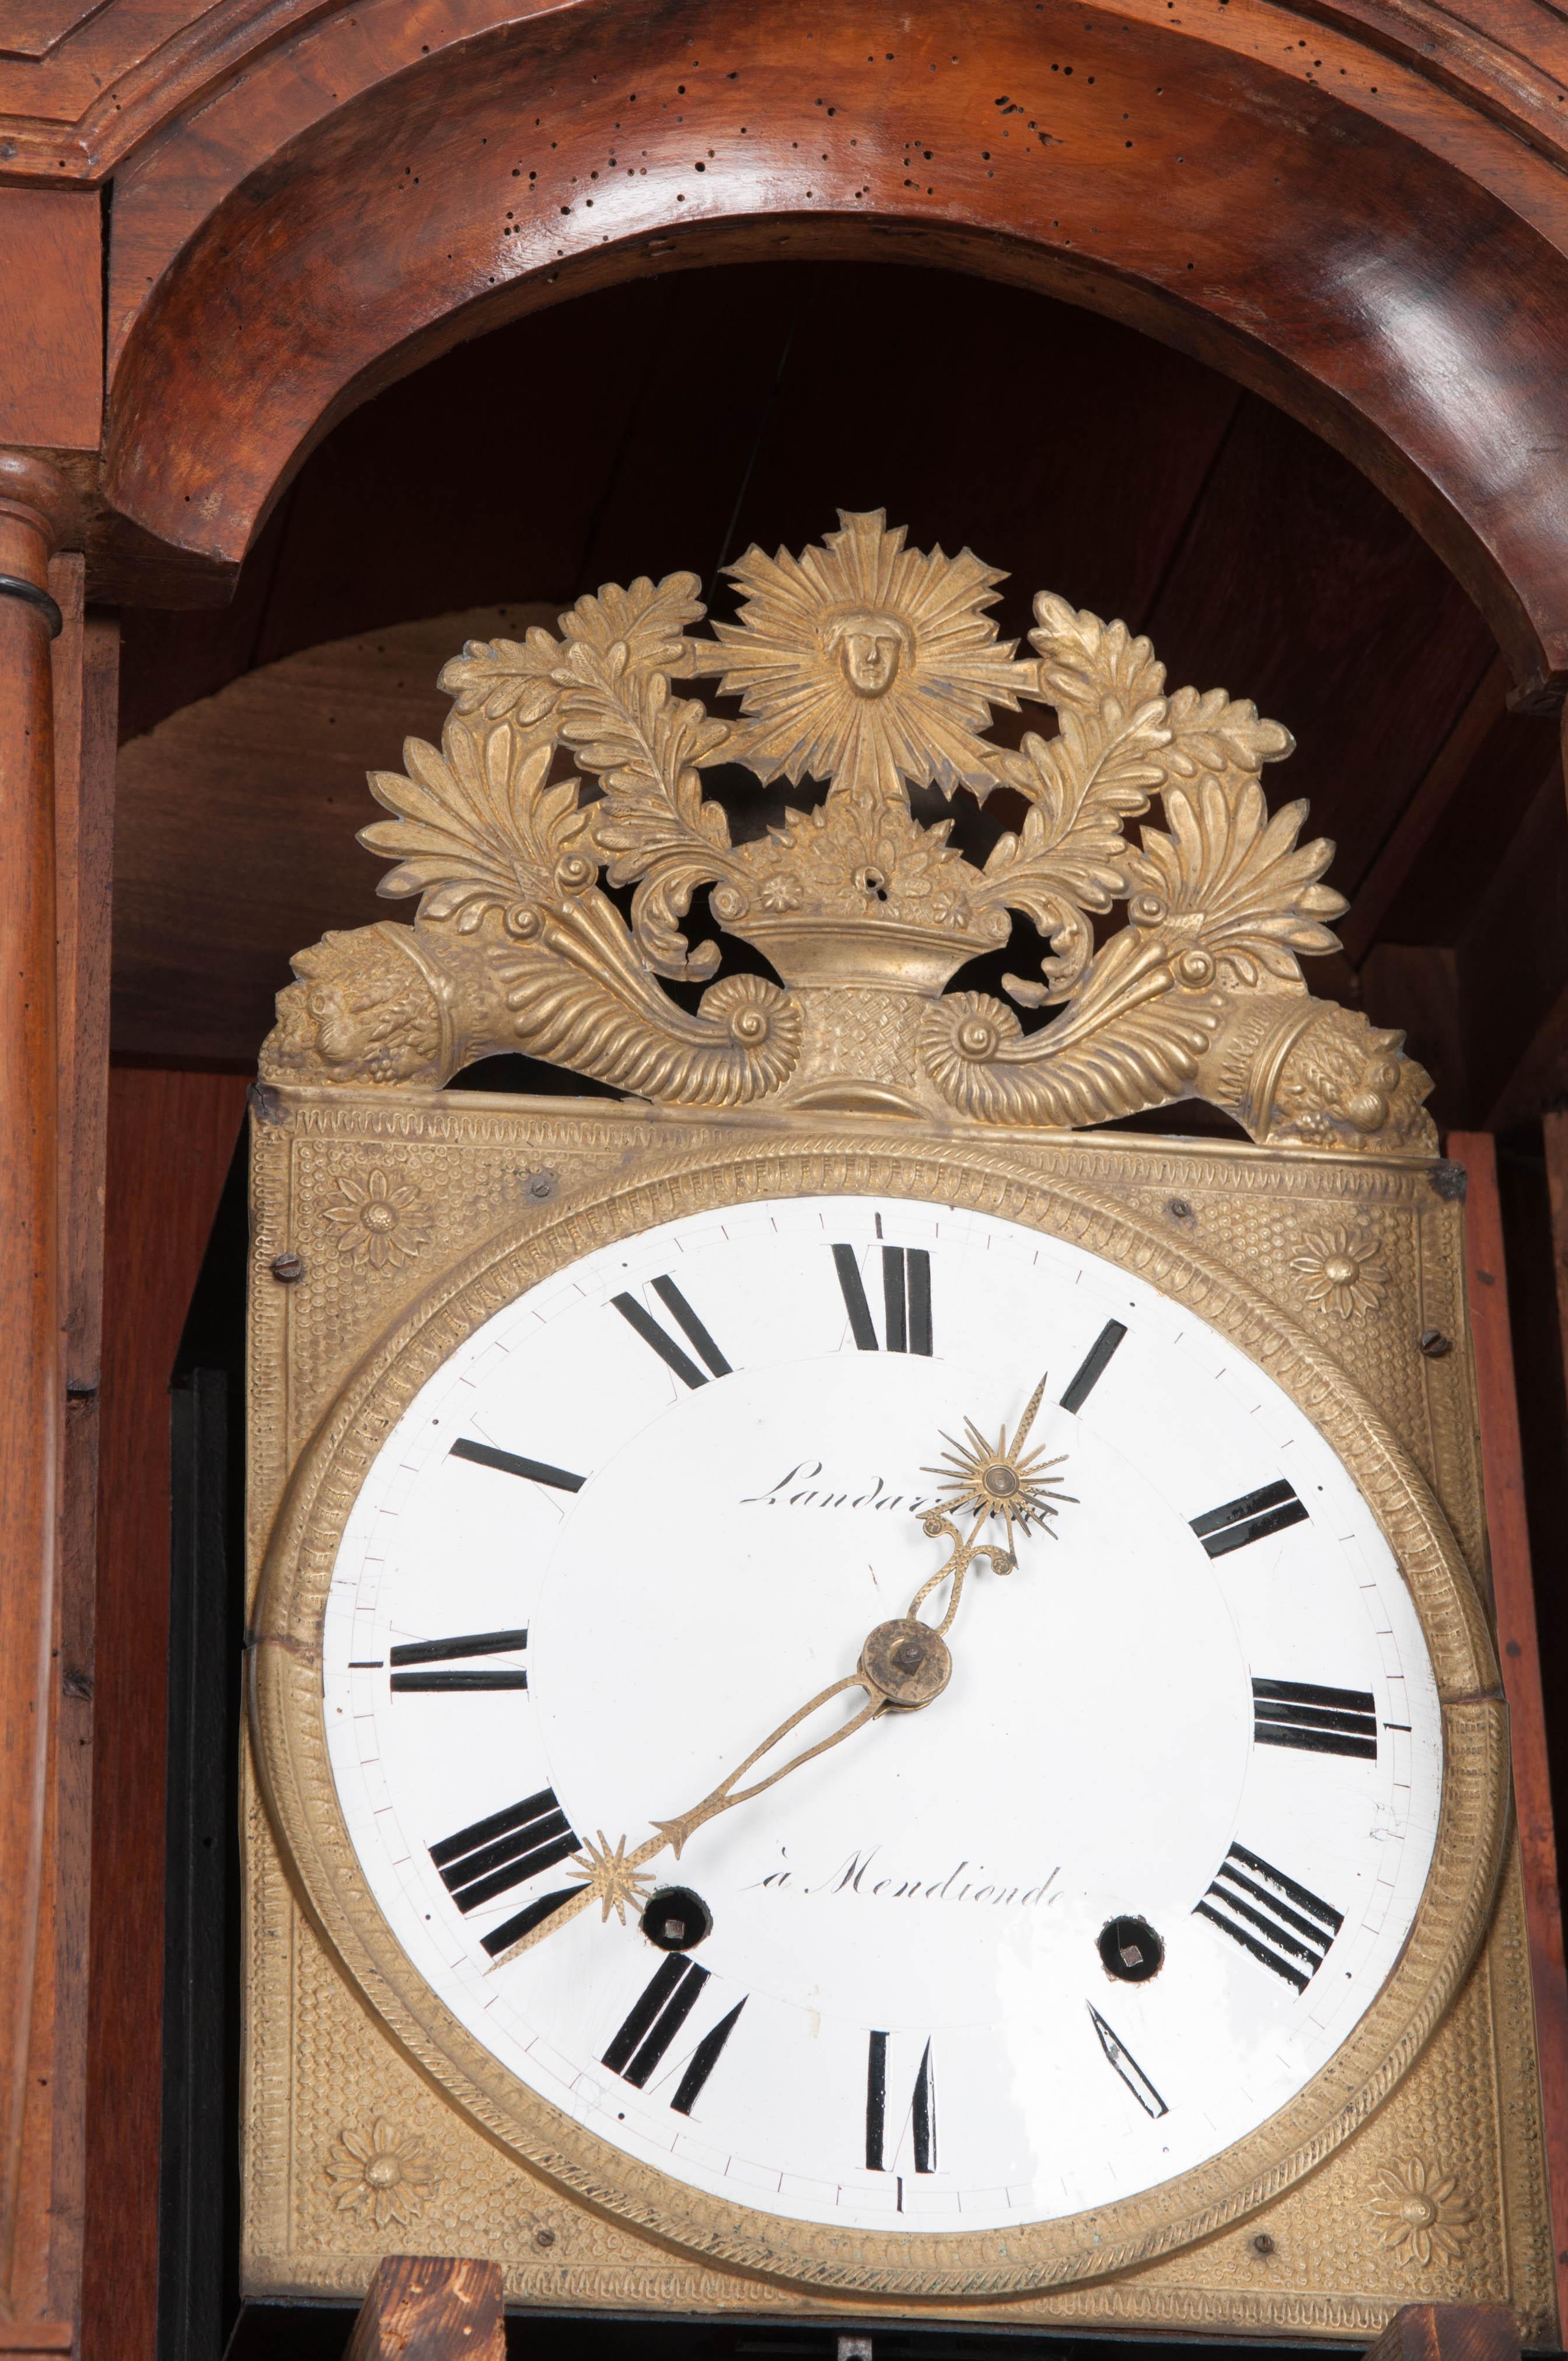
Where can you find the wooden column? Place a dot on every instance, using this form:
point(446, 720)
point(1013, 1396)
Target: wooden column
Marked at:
point(1555, 1127)
point(34, 503)
point(171, 1137)
point(1513, 1594)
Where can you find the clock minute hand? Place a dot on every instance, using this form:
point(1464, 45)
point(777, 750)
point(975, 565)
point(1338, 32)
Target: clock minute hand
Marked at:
point(726, 1795)
point(902, 1665)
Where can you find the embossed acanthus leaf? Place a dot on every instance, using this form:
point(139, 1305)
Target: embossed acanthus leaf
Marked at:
point(1234, 880)
point(570, 775)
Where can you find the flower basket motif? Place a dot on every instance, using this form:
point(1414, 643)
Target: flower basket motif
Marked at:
point(571, 774)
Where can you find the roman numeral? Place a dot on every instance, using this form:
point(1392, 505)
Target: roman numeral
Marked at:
point(1320, 1722)
point(468, 1643)
point(485, 1454)
point(512, 1930)
point(664, 1345)
point(1127, 2066)
point(705, 2058)
point(1097, 1360)
point(654, 2019)
point(1250, 1518)
point(922, 2112)
point(905, 1297)
point(1291, 1935)
point(498, 1854)
point(653, 2023)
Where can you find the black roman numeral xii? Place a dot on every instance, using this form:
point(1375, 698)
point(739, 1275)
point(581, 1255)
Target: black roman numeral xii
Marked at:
point(905, 1298)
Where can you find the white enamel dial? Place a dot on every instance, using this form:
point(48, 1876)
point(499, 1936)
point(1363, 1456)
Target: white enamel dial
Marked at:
point(658, 1503)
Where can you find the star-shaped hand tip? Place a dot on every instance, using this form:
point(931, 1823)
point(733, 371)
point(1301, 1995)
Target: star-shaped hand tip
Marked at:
point(613, 1881)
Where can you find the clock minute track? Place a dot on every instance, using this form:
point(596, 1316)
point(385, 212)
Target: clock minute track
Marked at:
point(689, 1631)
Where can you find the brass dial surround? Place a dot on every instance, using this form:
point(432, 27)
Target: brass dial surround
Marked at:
point(291, 1741)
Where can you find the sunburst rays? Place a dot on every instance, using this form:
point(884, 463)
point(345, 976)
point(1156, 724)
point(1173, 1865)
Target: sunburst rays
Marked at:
point(869, 664)
point(614, 1881)
point(1001, 1479)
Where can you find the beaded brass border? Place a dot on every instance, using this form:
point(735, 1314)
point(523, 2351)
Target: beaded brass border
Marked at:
point(290, 1738)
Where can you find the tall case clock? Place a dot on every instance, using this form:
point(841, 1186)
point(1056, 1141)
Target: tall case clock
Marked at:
point(869, 1696)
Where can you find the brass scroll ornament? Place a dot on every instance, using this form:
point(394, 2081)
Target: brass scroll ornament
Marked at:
point(874, 667)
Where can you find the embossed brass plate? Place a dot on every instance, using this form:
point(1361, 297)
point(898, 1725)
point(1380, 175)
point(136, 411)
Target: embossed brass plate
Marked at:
point(1409, 2167)
point(1435, 2085)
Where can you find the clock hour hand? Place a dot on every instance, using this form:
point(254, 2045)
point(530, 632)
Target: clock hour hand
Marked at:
point(904, 1666)
point(997, 1479)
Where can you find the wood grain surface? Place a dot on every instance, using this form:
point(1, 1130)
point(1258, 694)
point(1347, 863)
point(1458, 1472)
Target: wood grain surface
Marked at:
point(1448, 2331)
point(83, 82)
point(236, 824)
point(1210, 196)
point(171, 1138)
point(1554, 1129)
point(86, 701)
point(421, 2308)
point(47, 2279)
point(51, 270)
point(1518, 1649)
point(34, 509)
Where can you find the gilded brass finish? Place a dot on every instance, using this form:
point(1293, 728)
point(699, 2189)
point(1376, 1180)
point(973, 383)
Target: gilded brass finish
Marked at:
point(873, 667)
point(341, 2032)
point(906, 1663)
point(1001, 1479)
point(1455, 1909)
point(1412, 2165)
point(611, 1877)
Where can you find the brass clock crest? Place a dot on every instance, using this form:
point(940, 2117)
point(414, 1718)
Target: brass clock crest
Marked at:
point(1141, 1943)
point(875, 668)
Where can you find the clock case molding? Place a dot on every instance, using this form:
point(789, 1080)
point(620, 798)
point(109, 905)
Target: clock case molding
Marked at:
point(390, 1216)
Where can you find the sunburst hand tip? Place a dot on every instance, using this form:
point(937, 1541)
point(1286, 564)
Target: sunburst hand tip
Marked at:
point(1002, 1479)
